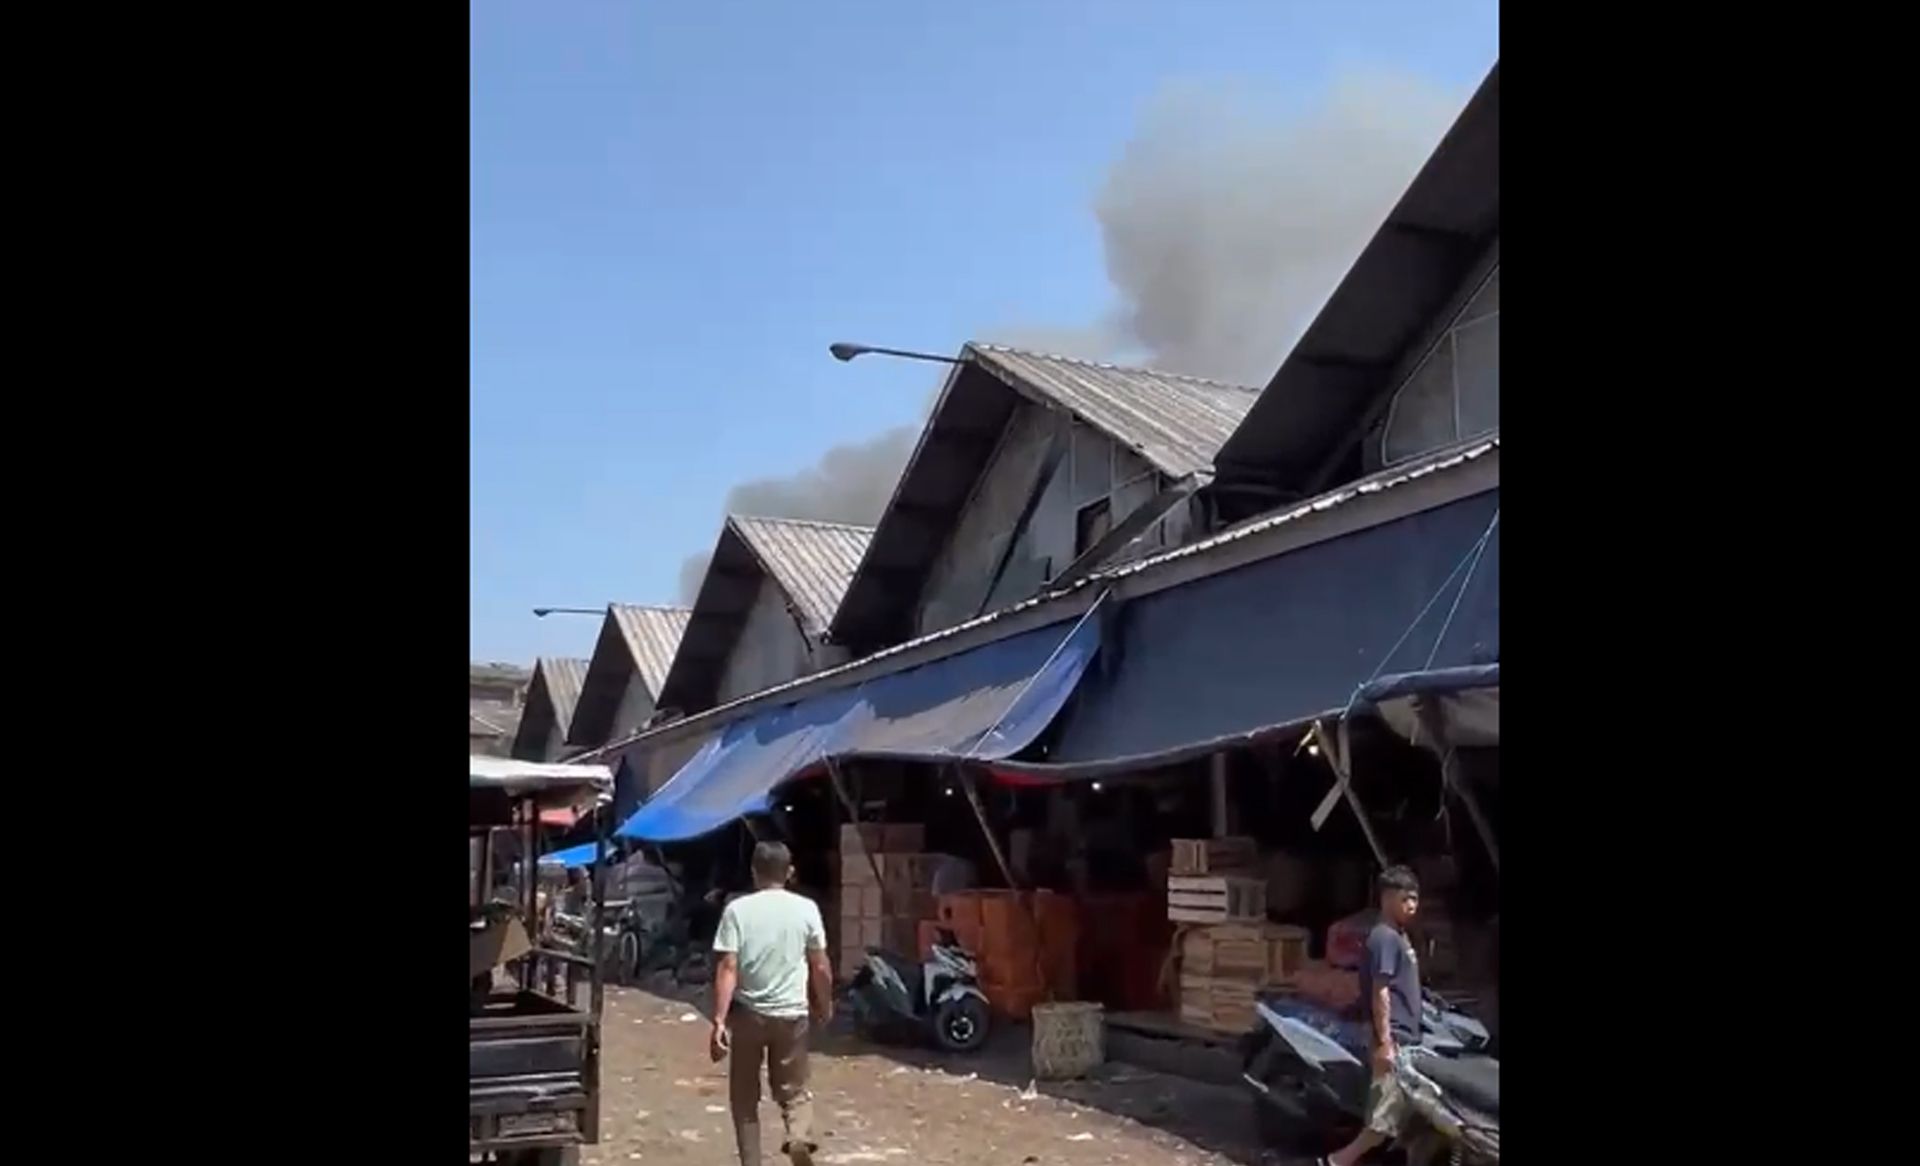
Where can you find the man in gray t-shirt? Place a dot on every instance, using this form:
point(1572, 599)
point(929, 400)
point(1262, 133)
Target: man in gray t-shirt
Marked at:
point(1390, 998)
point(770, 977)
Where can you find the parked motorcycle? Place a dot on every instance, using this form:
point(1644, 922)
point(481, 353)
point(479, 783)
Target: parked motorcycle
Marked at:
point(892, 995)
point(1308, 1069)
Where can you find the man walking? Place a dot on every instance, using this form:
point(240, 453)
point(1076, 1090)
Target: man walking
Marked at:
point(770, 962)
point(1390, 992)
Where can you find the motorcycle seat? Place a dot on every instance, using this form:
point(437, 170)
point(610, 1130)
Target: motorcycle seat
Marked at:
point(1475, 1081)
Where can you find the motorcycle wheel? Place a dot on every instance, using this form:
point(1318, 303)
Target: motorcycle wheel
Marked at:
point(628, 954)
point(960, 1026)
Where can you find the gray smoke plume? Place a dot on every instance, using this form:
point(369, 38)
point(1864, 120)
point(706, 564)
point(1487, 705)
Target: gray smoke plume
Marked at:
point(1225, 226)
point(850, 483)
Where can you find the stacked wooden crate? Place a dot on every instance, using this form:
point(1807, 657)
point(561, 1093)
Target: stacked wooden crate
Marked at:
point(1216, 880)
point(1224, 967)
point(885, 889)
point(1231, 953)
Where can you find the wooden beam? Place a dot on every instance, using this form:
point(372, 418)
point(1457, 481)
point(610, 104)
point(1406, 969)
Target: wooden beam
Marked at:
point(1217, 783)
point(1451, 779)
point(1339, 757)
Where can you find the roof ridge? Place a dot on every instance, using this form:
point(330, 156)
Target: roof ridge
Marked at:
point(1085, 363)
point(857, 526)
point(666, 607)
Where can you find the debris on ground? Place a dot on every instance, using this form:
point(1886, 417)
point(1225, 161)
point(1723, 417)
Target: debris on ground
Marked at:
point(886, 1106)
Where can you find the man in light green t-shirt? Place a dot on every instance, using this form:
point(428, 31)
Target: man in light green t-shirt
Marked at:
point(771, 950)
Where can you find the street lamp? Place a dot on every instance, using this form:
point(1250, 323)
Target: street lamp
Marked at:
point(544, 612)
point(842, 351)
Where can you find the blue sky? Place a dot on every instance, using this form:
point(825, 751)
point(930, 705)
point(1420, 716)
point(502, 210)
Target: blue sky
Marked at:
point(674, 207)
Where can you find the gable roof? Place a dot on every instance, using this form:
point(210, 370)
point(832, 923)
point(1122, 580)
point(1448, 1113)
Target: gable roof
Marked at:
point(551, 698)
point(652, 636)
point(811, 562)
point(1174, 422)
point(1325, 393)
point(634, 639)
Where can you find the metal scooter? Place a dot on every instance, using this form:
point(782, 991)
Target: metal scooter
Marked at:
point(892, 996)
point(1308, 1070)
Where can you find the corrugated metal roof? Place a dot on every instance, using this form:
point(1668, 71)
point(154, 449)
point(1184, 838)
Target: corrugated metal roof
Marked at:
point(564, 676)
point(1176, 422)
point(551, 699)
point(653, 636)
point(1340, 372)
point(812, 561)
point(1441, 461)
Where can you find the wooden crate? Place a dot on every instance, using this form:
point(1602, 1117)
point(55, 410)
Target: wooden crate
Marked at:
point(862, 902)
point(1257, 953)
point(904, 838)
point(856, 870)
point(1196, 999)
point(1214, 856)
point(1216, 1004)
point(1215, 899)
point(860, 934)
point(857, 838)
point(1286, 952)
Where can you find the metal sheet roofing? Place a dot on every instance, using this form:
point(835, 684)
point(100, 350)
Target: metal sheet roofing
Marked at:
point(551, 698)
point(563, 676)
point(653, 636)
point(1328, 389)
point(635, 639)
point(812, 561)
point(1215, 547)
point(1176, 422)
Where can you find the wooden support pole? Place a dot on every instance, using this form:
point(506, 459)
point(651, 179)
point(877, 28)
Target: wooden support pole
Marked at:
point(1217, 783)
point(1429, 719)
point(1026, 901)
point(853, 815)
point(1339, 756)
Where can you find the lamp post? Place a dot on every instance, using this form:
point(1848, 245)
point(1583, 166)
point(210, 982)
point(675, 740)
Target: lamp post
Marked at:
point(843, 352)
point(544, 612)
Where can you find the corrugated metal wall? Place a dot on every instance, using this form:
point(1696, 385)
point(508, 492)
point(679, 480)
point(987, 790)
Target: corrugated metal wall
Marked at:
point(1095, 467)
point(636, 705)
point(770, 649)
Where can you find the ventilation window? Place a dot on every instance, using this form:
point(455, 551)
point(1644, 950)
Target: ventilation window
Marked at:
point(1454, 393)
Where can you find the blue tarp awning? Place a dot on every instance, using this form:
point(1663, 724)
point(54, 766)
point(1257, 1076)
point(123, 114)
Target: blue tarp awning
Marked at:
point(986, 703)
point(581, 855)
point(1438, 682)
point(1266, 649)
point(1465, 701)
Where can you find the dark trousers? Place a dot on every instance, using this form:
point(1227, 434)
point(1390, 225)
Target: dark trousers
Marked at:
point(782, 1046)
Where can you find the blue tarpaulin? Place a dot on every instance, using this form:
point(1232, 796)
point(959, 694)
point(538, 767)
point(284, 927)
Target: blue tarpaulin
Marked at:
point(1465, 701)
point(1438, 682)
point(986, 703)
point(1226, 658)
point(581, 855)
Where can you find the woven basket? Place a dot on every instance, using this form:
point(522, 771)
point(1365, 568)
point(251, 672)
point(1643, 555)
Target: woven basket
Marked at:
point(1069, 1040)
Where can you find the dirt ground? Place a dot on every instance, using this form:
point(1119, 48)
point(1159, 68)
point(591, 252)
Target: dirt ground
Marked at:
point(664, 1102)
